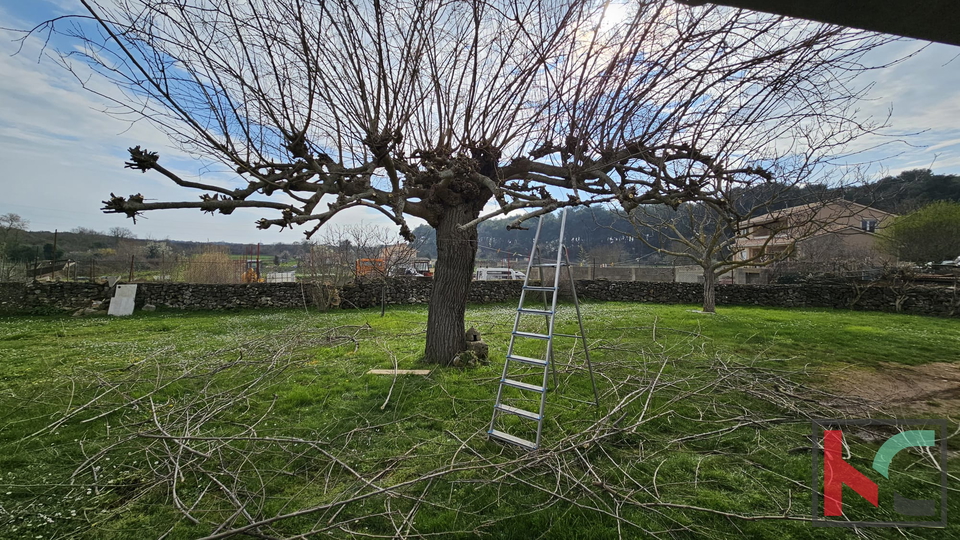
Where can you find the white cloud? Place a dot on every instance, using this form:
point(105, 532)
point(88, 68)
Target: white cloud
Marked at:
point(944, 144)
point(922, 96)
point(62, 156)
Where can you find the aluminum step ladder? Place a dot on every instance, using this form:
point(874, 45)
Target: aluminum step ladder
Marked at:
point(536, 390)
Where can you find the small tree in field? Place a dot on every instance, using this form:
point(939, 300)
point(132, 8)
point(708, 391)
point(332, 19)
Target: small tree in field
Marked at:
point(11, 252)
point(712, 235)
point(455, 112)
point(754, 227)
point(11, 227)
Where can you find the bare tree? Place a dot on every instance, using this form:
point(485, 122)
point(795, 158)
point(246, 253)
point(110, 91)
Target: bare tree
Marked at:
point(121, 233)
point(12, 226)
point(707, 235)
point(346, 252)
point(435, 109)
point(752, 228)
point(86, 235)
point(327, 259)
point(377, 253)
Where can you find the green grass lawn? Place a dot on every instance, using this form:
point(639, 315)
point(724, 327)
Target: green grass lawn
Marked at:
point(187, 425)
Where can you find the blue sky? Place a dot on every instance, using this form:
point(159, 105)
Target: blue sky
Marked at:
point(62, 155)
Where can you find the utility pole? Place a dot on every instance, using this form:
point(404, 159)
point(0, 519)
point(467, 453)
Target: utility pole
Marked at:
point(54, 267)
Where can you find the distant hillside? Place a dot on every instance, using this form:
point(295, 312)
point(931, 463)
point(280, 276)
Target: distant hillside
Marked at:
point(82, 243)
point(907, 191)
point(592, 241)
point(588, 235)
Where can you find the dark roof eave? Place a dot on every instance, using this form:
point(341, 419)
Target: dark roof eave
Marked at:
point(930, 20)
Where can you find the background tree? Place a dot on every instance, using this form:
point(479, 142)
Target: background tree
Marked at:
point(378, 246)
point(335, 255)
point(49, 254)
point(12, 226)
point(931, 234)
point(120, 234)
point(433, 110)
point(157, 249)
point(86, 235)
point(329, 258)
point(711, 234)
point(213, 264)
point(11, 251)
point(23, 254)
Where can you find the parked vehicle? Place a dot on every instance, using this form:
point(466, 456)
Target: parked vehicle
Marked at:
point(498, 274)
point(407, 271)
point(423, 267)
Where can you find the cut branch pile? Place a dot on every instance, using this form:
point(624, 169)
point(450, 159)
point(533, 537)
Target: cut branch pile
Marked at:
point(199, 437)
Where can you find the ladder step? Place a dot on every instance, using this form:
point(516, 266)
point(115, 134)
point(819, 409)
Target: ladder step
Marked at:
point(531, 335)
point(519, 412)
point(535, 311)
point(497, 434)
point(538, 288)
point(526, 360)
point(522, 385)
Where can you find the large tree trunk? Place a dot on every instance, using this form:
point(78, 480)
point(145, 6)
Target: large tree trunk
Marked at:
point(709, 291)
point(456, 252)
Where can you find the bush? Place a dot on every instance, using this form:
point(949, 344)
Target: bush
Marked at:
point(931, 234)
point(213, 265)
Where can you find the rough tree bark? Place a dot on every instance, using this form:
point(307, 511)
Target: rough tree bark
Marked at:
point(456, 252)
point(709, 290)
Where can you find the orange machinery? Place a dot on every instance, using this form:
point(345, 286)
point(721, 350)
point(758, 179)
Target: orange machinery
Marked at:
point(367, 267)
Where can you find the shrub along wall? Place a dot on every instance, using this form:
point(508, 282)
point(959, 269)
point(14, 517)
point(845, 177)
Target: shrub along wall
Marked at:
point(16, 298)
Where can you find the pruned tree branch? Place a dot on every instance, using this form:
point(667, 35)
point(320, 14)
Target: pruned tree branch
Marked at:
point(488, 100)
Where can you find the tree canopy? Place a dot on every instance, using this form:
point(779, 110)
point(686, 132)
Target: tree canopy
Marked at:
point(393, 105)
point(457, 112)
point(930, 234)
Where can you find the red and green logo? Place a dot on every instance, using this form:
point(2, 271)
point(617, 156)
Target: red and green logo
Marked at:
point(901, 484)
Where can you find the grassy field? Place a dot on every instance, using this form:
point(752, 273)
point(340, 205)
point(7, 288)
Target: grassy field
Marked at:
point(190, 425)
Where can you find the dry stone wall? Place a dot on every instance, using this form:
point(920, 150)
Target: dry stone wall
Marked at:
point(17, 298)
point(924, 300)
point(49, 297)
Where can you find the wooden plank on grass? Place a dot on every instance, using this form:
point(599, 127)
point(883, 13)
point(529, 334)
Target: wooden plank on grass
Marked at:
point(398, 372)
